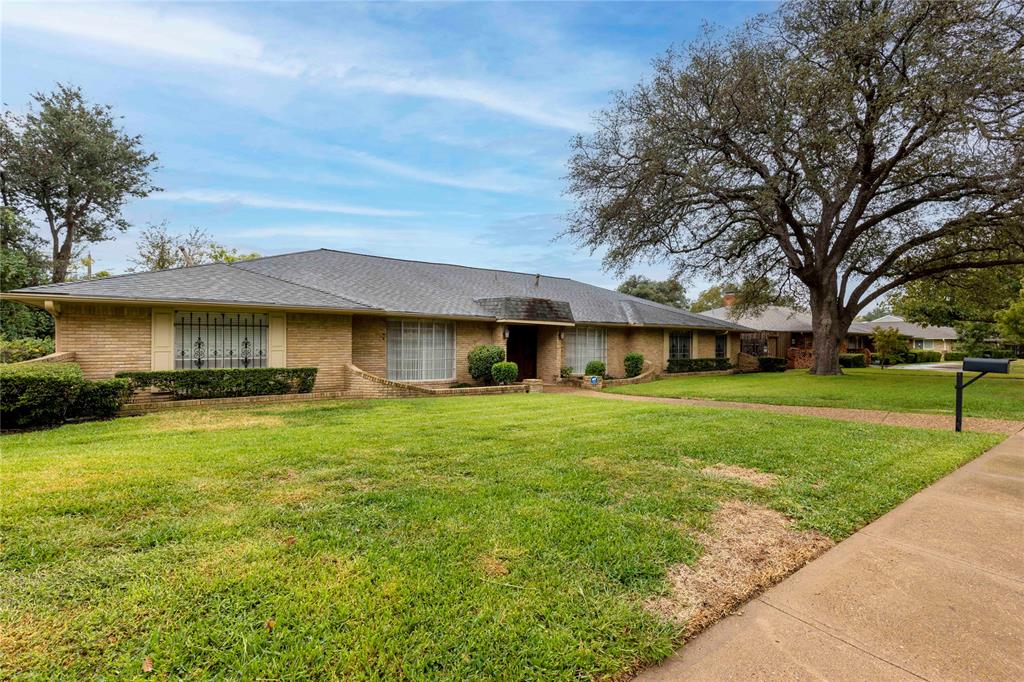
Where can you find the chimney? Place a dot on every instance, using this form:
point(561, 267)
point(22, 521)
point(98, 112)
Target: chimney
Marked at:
point(728, 298)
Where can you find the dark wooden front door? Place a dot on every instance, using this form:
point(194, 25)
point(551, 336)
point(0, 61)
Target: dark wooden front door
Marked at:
point(521, 349)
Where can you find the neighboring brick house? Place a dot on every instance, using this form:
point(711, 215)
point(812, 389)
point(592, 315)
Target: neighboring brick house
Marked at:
point(777, 331)
point(920, 337)
point(354, 315)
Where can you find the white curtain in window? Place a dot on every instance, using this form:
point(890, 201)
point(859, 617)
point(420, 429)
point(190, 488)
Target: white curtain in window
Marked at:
point(420, 350)
point(583, 344)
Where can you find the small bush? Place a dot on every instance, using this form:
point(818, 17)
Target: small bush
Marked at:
point(504, 373)
point(770, 364)
point(38, 394)
point(634, 364)
point(565, 372)
point(100, 399)
point(852, 360)
point(225, 383)
point(19, 350)
point(913, 356)
point(999, 353)
point(595, 368)
point(952, 355)
point(698, 365)
point(482, 359)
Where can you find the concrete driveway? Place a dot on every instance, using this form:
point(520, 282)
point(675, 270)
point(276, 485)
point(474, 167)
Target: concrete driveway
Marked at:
point(933, 590)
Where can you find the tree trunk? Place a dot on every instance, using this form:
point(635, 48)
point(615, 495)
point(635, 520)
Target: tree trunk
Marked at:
point(61, 261)
point(829, 331)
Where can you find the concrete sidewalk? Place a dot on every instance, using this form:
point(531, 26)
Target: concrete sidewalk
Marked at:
point(911, 419)
point(933, 590)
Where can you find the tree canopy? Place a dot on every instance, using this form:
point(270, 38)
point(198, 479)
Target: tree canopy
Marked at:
point(157, 248)
point(841, 150)
point(668, 292)
point(959, 296)
point(67, 161)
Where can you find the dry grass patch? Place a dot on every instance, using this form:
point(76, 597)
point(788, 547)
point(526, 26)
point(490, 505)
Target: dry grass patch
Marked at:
point(749, 549)
point(760, 479)
point(493, 566)
point(212, 420)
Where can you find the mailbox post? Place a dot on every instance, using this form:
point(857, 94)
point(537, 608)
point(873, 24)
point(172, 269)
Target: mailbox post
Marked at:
point(982, 365)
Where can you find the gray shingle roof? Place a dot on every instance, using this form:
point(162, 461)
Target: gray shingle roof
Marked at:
point(536, 309)
point(350, 281)
point(914, 331)
point(779, 319)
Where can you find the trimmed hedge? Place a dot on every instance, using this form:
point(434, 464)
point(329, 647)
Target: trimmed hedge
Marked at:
point(697, 365)
point(634, 364)
point(504, 373)
point(770, 364)
point(482, 359)
point(914, 356)
point(19, 350)
point(100, 399)
point(38, 394)
point(225, 383)
point(595, 368)
point(565, 372)
point(852, 360)
point(49, 393)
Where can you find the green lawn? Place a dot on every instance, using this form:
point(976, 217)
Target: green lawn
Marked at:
point(492, 537)
point(1000, 397)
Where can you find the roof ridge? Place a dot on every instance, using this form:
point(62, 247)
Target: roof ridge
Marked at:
point(448, 265)
point(71, 282)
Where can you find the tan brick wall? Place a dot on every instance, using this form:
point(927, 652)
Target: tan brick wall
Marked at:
point(369, 348)
point(105, 338)
point(322, 341)
point(549, 353)
point(469, 335)
point(616, 340)
point(650, 343)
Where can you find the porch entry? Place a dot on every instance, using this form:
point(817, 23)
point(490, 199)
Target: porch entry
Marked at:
point(521, 348)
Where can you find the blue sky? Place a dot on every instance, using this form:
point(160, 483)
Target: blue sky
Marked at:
point(432, 131)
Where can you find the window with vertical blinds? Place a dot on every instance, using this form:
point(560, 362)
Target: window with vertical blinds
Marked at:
point(583, 344)
point(679, 344)
point(420, 350)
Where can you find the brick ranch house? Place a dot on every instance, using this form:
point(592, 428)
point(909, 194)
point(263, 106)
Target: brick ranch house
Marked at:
point(367, 323)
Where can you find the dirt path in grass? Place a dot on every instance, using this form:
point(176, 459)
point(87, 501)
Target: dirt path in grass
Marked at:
point(912, 419)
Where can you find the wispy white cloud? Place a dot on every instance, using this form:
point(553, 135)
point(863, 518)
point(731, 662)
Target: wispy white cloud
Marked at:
point(489, 181)
point(204, 196)
point(187, 35)
point(152, 29)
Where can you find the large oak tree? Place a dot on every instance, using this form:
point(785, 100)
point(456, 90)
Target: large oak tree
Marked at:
point(67, 161)
point(842, 149)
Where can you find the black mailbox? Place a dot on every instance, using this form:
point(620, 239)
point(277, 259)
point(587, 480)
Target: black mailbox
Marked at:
point(993, 365)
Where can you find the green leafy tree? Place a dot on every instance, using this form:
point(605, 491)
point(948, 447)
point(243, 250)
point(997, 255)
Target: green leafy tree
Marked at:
point(22, 264)
point(876, 312)
point(974, 338)
point(668, 292)
point(68, 161)
point(959, 296)
point(157, 248)
point(838, 149)
point(709, 299)
point(888, 344)
point(1010, 322)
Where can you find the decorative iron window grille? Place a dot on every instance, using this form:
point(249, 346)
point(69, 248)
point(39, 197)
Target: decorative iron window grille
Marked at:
point(754, 343)
point(219, 340)
point(679, 345)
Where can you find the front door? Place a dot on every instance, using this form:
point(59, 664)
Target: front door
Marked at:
point(521, 349)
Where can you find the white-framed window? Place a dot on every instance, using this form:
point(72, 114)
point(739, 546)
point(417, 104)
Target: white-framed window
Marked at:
point(217, 340)
point(583, 344)
point(919, 344)
point(680, 345)
point(421, 350)
point(854, 342)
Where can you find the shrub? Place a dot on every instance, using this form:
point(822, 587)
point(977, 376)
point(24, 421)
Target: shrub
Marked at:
point(482, 359)
point(225, 383)
point(952, 355)
point(698, 365)
point(770, 364)
point(634, 364)
point(852, 360)
point(19, 350)
point(100, 399)
point(504, 373)
point(999, 353)
point(565, 372)
point(39, 394)
point(595, 368)
point(913, 356)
